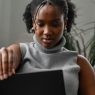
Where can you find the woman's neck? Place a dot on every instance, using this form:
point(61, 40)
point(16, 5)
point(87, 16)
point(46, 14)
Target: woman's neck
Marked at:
point(54, 49)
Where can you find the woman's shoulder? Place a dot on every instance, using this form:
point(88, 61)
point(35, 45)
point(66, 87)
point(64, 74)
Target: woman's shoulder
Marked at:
point(86, 76)
point(83, 62)
point(25, 45)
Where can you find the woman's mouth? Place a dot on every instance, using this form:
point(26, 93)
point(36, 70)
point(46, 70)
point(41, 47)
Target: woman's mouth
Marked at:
point(47, 41)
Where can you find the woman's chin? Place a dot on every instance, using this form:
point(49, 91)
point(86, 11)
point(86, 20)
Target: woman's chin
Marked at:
point(48, 46)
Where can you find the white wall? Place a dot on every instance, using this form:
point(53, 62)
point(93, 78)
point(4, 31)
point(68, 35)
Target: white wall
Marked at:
point(86, 11)
point(18, 31)
point(5, 9)
point(12, 28)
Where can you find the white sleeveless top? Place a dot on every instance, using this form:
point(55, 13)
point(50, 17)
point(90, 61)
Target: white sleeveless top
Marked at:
point(36, 58)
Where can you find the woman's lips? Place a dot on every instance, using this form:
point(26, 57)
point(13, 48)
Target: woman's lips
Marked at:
point(47, 41)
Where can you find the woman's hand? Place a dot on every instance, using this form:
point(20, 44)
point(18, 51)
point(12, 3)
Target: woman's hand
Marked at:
point(9, 60)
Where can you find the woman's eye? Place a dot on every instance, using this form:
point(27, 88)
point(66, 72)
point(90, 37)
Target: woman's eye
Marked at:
point(40, 24)
point(55, 24)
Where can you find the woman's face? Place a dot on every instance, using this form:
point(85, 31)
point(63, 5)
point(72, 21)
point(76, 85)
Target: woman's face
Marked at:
point(49, 26)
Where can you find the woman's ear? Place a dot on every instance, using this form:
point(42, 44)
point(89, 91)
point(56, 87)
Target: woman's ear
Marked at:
point(34, 25)
point(33, 28)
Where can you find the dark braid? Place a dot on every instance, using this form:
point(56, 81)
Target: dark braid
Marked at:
point(66, 6)
point(71, 15)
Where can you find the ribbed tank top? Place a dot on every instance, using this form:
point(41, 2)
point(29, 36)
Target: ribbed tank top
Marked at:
point(37, 58)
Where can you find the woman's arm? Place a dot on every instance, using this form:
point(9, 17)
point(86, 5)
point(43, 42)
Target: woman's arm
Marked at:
point(86, 77)
point(16, 53)
point(10, 59)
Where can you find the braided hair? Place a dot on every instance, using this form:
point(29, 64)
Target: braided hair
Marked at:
point(66, 7)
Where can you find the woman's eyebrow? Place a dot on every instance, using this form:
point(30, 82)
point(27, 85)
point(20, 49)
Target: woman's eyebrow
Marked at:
point(39, 20)
point(53, 20)
point(58, 19)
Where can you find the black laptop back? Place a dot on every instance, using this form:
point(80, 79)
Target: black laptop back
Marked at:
point(40, 83)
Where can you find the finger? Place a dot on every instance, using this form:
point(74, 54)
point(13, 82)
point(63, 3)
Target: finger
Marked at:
point(5, 62)
point(10, 62)
point(1, 71)
point(14, 63)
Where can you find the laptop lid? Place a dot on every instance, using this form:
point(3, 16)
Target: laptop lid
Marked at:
point(39, 83)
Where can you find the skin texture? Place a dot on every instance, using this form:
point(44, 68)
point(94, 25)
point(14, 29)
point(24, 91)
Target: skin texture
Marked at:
point(48, 36)
point(86, 77)
point(10, 59)
point(49, 26)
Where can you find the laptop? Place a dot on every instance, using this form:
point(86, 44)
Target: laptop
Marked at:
point(39, 83)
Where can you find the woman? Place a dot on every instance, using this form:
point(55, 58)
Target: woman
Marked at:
point(48, 20)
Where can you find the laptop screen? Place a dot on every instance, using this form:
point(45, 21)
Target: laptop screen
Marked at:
point(39, 83)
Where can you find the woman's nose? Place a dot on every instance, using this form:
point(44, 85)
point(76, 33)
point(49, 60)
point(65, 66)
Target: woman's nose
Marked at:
point(47, 30)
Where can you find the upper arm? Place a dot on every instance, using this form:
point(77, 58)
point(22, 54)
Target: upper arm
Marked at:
point(86, 77)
